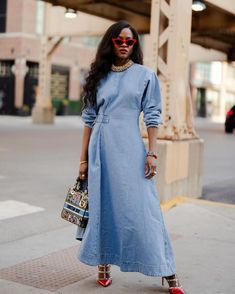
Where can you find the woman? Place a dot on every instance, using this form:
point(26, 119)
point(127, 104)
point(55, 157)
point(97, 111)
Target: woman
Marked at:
point(126, 226)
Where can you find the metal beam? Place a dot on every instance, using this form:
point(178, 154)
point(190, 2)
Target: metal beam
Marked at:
point(212, 28)
point(56, 45)
point(210, 42)
point(112, 11)
point(226, 5)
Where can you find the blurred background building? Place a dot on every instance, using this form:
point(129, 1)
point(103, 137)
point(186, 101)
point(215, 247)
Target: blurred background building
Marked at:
point(211, 78)
point(213, 88)
point(21, 27)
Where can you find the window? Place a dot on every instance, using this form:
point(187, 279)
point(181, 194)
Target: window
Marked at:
point(3, 9)
point(203, 72)
point(59, 82)
point(5, 69)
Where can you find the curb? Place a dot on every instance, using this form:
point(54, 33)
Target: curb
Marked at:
point(177, 200)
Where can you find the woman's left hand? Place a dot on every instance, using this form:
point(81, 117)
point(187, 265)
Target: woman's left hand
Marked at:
point(150, 167)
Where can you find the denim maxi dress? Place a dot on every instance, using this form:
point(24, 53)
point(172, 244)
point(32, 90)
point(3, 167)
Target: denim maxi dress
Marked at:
point(126, 226)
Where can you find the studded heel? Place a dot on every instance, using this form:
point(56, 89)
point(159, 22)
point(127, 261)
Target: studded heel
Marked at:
point(177, 289)
point(104, 275)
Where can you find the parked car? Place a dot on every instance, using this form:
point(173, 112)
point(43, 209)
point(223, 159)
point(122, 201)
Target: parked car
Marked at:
point(230, 120)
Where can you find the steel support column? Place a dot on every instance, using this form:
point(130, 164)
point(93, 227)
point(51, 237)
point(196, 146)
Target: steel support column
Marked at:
point(43, 111)
point(170, 30)
point(179, 148)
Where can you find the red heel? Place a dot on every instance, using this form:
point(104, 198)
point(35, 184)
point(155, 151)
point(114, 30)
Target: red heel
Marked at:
point(178, 289)
point(104, 278)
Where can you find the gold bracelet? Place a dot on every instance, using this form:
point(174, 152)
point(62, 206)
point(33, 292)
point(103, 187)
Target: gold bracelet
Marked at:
point(84, 161)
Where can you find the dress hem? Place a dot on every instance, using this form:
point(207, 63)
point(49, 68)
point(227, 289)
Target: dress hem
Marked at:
point(128, 266)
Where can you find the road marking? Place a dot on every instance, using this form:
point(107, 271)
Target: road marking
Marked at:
point(12, 208)
point(168, 204)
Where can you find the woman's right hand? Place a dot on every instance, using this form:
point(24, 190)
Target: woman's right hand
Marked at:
point(83, 170)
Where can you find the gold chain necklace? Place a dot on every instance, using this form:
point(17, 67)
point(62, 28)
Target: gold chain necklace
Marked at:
point(121, 67)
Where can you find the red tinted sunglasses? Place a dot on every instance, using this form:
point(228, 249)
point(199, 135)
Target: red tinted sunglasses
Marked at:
point(120, 41)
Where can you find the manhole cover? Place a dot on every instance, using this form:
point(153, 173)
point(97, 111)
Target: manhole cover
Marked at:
point(50, 272)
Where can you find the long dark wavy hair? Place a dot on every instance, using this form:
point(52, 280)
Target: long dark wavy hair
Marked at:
point(104, 58)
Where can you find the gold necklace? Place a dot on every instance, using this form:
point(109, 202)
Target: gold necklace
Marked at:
point(121, 67)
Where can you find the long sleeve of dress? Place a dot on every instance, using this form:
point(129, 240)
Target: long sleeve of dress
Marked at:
point(89, 114)
point(151, 102)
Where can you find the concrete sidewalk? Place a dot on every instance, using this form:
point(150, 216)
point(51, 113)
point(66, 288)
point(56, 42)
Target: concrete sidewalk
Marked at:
point(203, 238)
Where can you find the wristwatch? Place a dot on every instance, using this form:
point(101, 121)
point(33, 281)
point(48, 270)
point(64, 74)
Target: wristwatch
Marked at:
point(152, 153)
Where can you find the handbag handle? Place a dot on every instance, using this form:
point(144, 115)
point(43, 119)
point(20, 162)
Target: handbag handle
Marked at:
point(80, 184)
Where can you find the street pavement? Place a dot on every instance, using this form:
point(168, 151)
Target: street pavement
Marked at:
point(219, 161)
point(38, 249)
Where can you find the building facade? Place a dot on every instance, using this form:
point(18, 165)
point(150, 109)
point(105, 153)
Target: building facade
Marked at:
point(21, 28)
point(213, 90)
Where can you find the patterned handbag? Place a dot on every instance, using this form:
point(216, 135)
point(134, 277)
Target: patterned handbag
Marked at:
point(75, 208)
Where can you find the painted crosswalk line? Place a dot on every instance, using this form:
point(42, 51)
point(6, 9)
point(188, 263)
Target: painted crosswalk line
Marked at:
point(13, 208)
